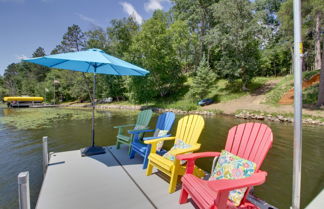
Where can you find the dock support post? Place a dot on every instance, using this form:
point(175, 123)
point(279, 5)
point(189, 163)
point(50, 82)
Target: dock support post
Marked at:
point(298, 104)
point(45, 154)
point(23, 190)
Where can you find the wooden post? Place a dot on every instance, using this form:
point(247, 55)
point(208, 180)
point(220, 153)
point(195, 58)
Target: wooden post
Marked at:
point(45, 154)
point(23, 190)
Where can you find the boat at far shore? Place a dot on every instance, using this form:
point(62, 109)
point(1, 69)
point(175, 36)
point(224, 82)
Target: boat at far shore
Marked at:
point(22, 101)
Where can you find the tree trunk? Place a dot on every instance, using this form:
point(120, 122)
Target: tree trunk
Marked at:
point(318, 60)
point(320, 100)
point(203, 28)
point(292, 59)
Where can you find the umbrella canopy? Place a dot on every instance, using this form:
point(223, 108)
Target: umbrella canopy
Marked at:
point(90, 61)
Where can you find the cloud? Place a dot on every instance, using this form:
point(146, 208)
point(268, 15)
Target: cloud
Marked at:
point(21, 57)
point(88, 19)
point(153, 5)
point(130, 10)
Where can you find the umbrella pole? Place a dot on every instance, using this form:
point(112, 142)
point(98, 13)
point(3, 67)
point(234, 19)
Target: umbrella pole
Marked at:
point(93, 109)
point(93, 150)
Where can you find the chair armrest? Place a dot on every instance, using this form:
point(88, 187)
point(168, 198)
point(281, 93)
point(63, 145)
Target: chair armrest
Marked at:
point(194, 156)
point(138, 131)
point(182, 151)
point(122, 126)
point(156, 137)
point(154, 141)
point(191, 158)
point(230, 184)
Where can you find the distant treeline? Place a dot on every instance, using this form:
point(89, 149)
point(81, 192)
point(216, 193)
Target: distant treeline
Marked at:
point(197, 40)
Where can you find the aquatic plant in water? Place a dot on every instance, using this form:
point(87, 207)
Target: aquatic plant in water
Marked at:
point(43, 117)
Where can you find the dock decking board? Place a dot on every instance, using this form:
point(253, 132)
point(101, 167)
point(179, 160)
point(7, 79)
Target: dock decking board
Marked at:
point(99, 182)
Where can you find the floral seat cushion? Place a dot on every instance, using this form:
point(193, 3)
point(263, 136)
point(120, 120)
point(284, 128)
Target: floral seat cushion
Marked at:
point(159, 133)
point(179, 144)
point(230, 166)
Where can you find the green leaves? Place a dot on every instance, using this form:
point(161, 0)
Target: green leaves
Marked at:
point(235, 37)
point(203, 81)
point(155, 50)
point(240, 39)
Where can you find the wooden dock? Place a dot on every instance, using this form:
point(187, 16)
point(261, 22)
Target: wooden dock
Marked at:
point(110, 180)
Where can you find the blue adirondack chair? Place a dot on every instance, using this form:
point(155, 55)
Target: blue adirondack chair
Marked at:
point(162, 129)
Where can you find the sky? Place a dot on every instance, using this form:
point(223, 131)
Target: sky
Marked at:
point(27, 24)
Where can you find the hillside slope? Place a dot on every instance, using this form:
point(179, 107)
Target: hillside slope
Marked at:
point(262, 100)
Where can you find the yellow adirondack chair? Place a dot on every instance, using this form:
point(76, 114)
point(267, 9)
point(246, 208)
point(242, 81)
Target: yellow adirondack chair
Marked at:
point(188, 130)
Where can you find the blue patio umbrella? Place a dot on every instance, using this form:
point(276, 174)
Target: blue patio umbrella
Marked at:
point(90, 61)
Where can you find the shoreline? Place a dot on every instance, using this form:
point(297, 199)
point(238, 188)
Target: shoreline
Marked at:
point(244, 114)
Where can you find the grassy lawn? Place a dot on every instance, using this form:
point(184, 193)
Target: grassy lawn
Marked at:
point(286, 83)
point(222, 91)
point(225, 91)
point(273, 96)
point(310, 95)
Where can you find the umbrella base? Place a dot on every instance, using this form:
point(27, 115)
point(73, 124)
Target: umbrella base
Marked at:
point(93, 150)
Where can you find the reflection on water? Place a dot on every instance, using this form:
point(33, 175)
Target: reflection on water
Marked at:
point(21, 150)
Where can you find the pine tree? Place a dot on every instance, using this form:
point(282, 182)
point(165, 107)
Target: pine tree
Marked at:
point(75, 40)
point(203, 81)
point(39, 71)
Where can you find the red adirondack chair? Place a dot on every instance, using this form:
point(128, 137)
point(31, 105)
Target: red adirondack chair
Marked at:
point(250, 141)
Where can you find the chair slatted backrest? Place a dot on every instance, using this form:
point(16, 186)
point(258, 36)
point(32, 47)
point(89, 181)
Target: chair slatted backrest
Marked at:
point(165, 121)
point(250, 141)
point(189, 128)
point(143, 118)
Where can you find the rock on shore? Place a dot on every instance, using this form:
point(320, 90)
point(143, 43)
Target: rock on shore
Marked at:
point(243, 115)
point(275, 118)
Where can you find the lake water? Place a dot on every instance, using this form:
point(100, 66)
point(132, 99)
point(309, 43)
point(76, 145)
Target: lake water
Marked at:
point(21, 150)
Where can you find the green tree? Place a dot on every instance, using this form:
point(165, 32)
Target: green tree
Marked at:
point(203, 81)
point(3, 90)
point(199, 16)
point(275, 61)
point(312, 13)
point(120, 37)
point(318, 14)
point(152, 49)
point(79, 87)
point(12, 79)
point(64, 85)
point(183, 42)
point(312, 20)
point(73, 40)
point(111, 86)
point(116, 41)
point(97, 38)
point(235, 40)
point(39, 71)
point(121, 34)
